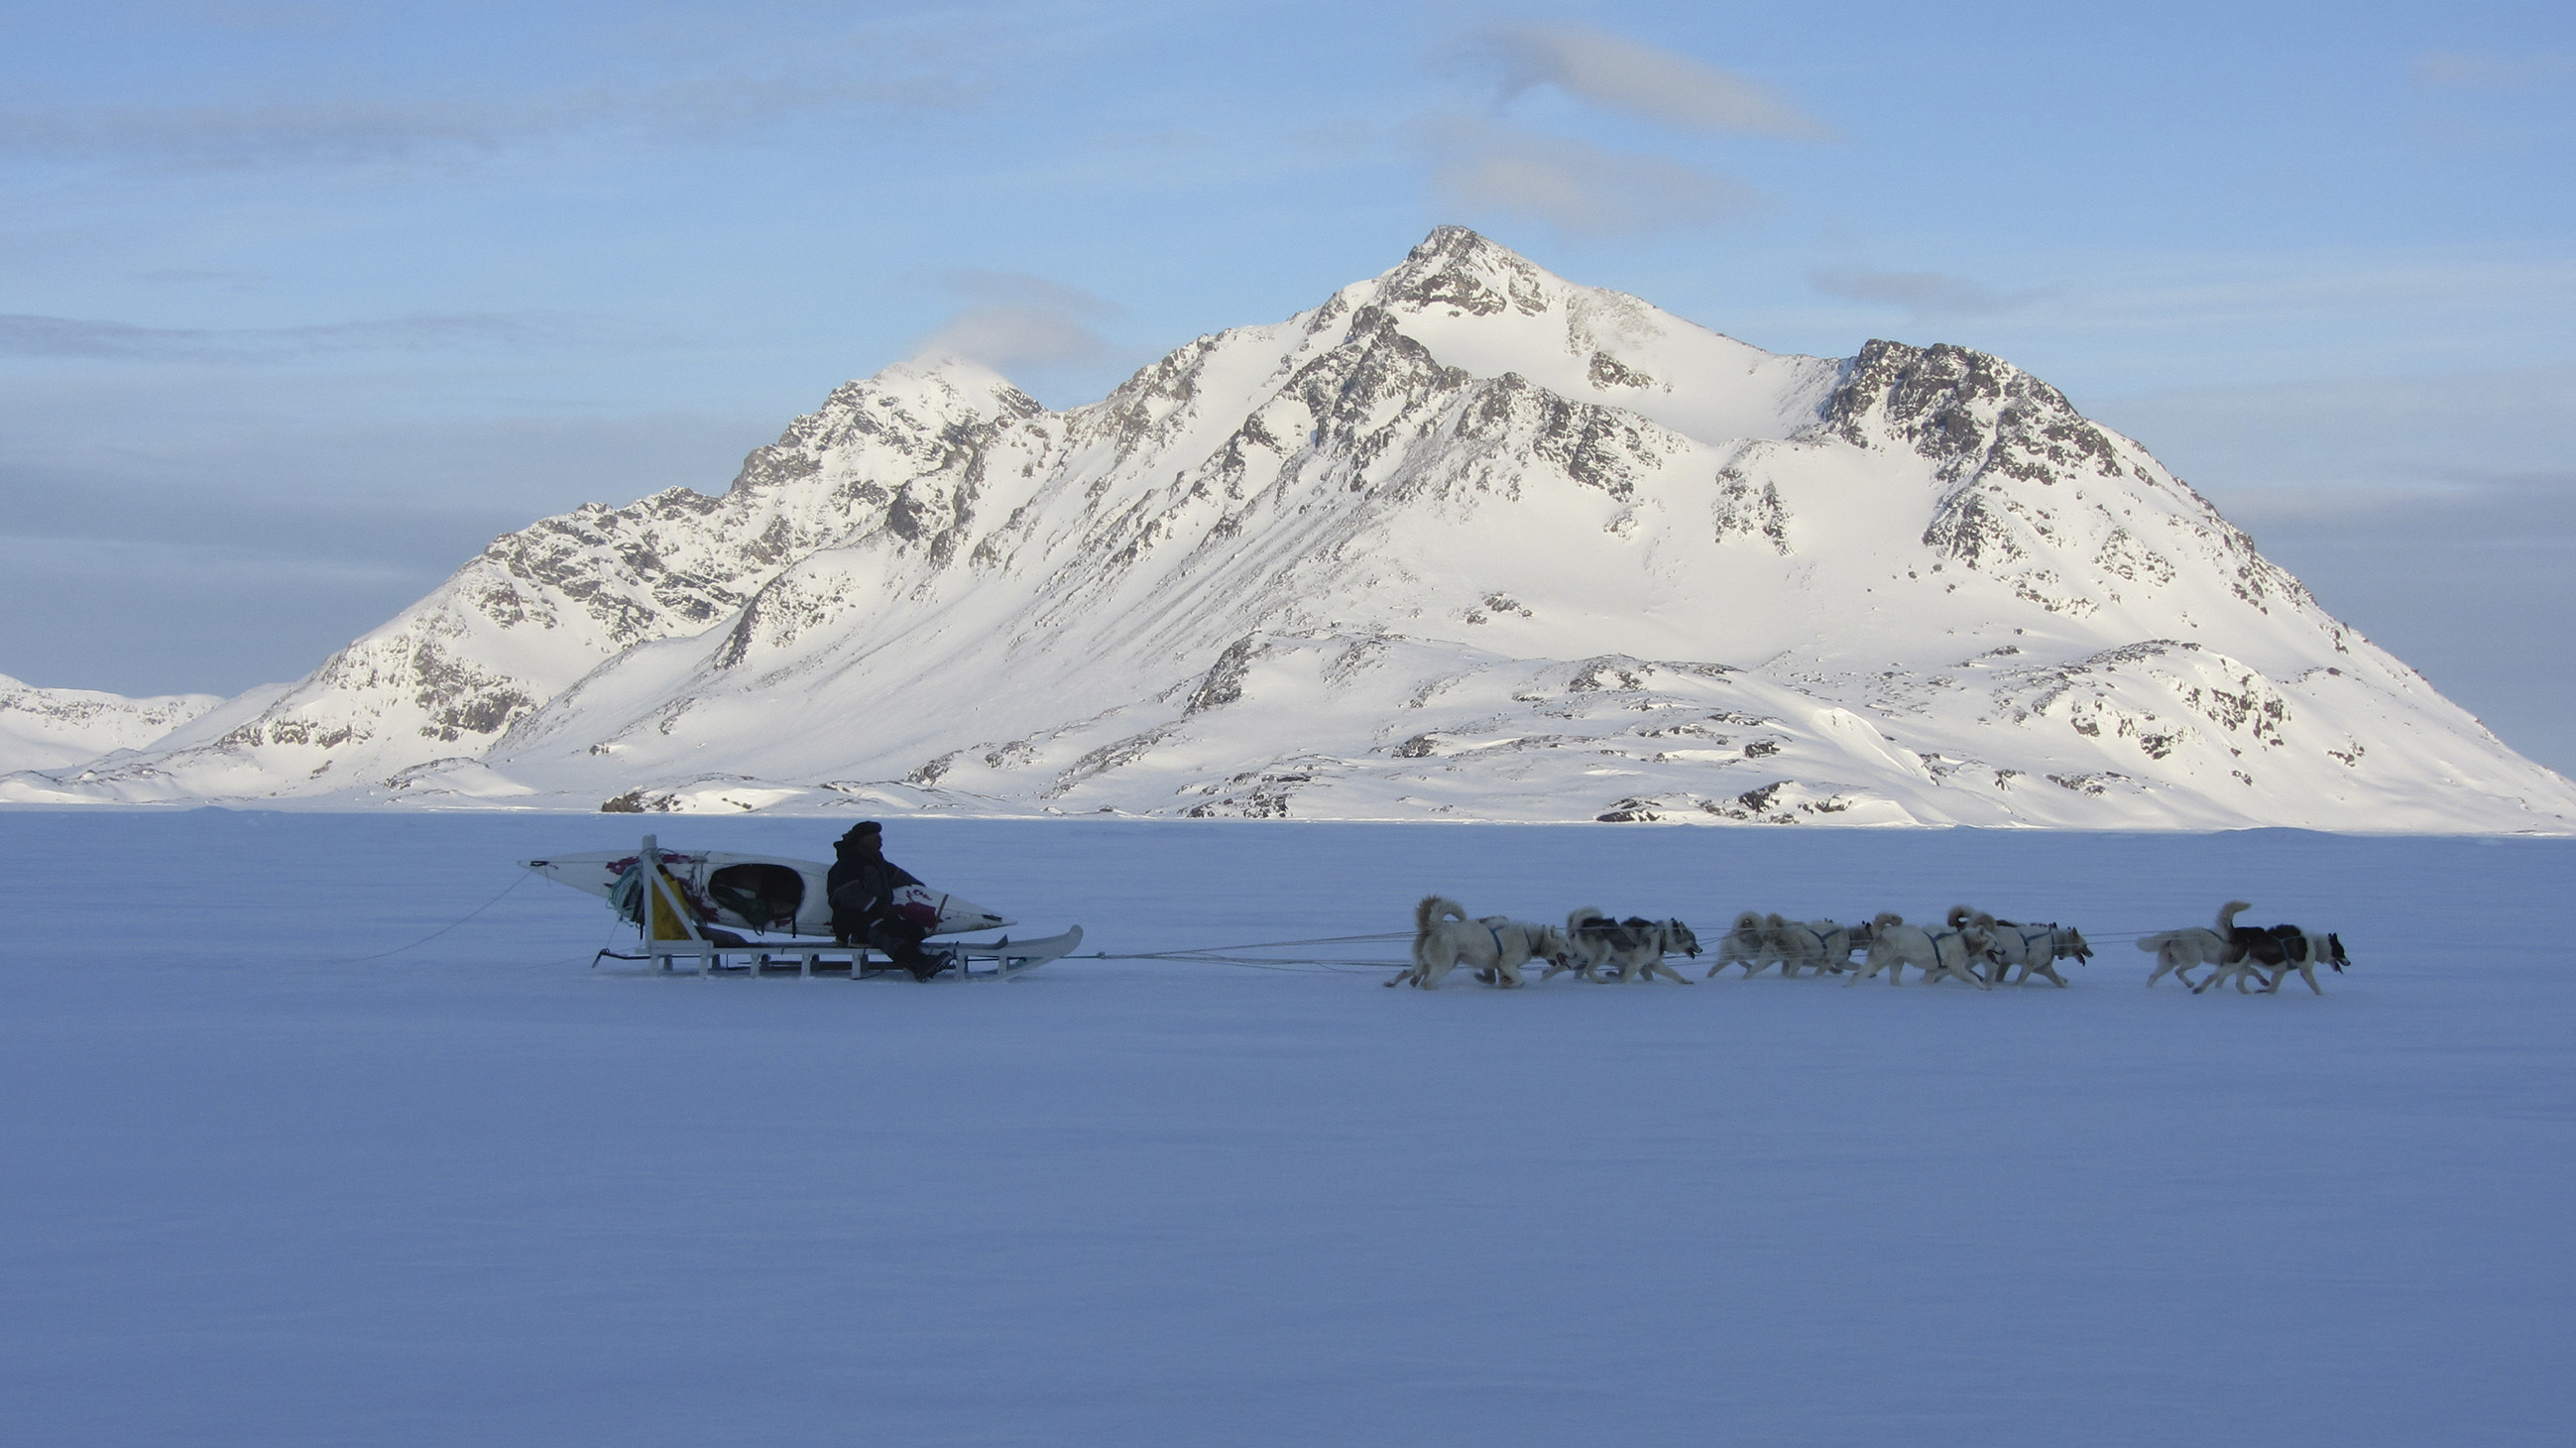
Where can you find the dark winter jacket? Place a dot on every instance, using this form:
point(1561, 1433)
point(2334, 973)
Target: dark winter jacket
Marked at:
point(861, 888)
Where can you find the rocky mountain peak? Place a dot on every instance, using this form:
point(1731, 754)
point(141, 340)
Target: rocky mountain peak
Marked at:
point(924, 411)
point(2024, 479)
point(1955, 406)
point(1455, 267)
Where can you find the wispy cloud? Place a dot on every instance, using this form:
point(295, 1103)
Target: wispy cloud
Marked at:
point(1574, 185)
point(23, 335)
point(1019, 289)
point(1618, 74)
point(2465, 70)
point(2514, 510)
point(2482, 102)
point(1922, 294)
point(254, 16)
point(1014, 320)
point(2411, 432)
point(358, 132)
point(421, 492)
point(2319, 291)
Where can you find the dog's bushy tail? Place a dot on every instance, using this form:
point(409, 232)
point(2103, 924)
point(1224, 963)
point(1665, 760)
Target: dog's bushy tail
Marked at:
point(2227, 915)
point(1432, 908)
point(1960, 915)
point(1886, 919)
point(2153, 943)
point(1574, 919)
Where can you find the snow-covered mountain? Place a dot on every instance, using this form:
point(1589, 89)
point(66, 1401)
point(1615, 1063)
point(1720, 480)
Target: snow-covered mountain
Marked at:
point(51, 728)
point(1465, 541)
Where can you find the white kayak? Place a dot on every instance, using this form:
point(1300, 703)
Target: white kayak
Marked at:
point(765, 894)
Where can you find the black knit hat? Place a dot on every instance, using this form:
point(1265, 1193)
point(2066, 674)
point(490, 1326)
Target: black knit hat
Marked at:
point(862, 830)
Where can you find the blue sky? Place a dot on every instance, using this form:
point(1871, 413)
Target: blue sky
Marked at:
point(301, 303)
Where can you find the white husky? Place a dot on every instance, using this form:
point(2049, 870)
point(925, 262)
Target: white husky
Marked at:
point(1798, 944)
point(1748, 944)
point(1579, 958)
point(1894, 945)
point(2177, 951)
point(1444, 939)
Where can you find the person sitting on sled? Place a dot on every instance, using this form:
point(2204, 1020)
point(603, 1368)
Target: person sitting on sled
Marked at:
point(861, 888)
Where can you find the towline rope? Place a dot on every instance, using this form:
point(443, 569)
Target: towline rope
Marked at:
point(442, 930)
point(1291, 965)
point(1195, 955)
point(1232, 955)
point(1267, 945)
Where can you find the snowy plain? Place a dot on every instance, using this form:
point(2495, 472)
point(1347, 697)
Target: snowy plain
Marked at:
point(261, 1192)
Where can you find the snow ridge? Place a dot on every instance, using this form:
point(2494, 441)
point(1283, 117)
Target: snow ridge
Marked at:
point(1465, 541)
point(52, 728)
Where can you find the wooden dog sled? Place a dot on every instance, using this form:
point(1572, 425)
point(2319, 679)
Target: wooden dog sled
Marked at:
point(676, 923)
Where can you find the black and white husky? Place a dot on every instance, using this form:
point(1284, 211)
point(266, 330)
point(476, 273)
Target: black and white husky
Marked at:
point(1895, 945)
point(1444, 939)
point(1635, 947)
point(2035, 949)
point(2297, 949)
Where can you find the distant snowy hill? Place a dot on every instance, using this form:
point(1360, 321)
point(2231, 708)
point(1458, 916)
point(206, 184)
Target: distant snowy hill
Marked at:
point(1466, 541)
point(51, 728)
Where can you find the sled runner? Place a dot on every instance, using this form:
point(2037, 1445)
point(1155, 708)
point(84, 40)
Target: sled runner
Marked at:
point(970, 959)
point(1007, 956)
point(684, 904)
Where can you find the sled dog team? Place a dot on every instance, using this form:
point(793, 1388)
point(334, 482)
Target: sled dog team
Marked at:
point(1970, 946)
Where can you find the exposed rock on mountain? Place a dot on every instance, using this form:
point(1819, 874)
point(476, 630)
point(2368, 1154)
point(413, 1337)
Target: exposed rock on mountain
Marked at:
point(1465, 541)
